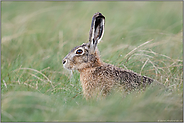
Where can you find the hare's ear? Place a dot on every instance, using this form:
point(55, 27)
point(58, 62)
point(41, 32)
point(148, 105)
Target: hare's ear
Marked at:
point(96, 31)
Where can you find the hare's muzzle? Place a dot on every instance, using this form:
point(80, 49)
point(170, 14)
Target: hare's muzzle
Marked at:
point(66, 64)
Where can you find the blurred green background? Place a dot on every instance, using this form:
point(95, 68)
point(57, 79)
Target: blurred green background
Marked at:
point(36, 36)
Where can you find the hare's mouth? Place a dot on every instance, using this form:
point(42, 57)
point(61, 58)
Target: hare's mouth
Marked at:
point(67, 67)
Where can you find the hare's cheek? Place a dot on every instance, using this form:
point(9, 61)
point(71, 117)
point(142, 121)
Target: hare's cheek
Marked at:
point(77, 60)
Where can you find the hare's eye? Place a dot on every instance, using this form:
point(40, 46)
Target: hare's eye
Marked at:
point(79, 51)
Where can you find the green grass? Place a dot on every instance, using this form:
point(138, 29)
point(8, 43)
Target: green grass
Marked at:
point(36, 36)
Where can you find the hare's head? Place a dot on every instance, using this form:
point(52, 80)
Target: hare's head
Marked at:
point(86, 55)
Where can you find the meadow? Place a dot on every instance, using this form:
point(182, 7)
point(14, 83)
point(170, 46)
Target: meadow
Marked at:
point(145, 37)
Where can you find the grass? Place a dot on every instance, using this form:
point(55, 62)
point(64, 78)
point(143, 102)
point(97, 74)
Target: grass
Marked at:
point(36, 36)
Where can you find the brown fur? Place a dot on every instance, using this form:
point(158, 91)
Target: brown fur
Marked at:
point(98, 78)
point(103, 77)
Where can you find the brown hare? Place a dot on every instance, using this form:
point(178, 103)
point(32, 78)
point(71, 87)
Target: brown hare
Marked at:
point(97, 77)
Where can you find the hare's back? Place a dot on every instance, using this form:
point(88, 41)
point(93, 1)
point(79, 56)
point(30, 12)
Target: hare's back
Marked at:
point(120, 76)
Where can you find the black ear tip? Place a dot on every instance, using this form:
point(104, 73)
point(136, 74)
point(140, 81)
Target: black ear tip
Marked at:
point(98, 15)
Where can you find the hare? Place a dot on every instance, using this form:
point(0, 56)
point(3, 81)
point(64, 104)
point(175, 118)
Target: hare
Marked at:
point(96, 76)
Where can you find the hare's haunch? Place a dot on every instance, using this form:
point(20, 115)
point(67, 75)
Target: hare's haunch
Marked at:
point(96, 76)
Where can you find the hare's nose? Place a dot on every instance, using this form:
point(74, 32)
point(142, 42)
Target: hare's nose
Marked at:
point(64, 61)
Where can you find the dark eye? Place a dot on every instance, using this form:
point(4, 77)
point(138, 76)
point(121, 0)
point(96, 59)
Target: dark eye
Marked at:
point(79, 51)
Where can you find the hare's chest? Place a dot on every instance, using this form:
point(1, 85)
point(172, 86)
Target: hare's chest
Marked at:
point(93, 84)
point(88, 80)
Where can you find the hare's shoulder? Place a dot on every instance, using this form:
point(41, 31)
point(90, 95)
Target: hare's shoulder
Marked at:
point(104, 71)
